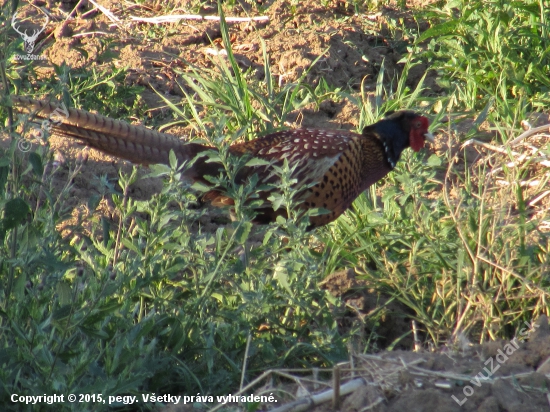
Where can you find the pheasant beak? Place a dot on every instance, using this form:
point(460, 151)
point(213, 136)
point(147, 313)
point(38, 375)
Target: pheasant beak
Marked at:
point(429, 137)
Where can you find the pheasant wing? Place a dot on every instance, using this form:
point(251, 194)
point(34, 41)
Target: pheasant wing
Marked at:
point(309, 152)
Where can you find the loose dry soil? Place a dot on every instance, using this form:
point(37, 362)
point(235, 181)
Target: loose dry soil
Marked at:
point(352, 49)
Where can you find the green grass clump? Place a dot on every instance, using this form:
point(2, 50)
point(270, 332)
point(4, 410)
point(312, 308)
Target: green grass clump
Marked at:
point(491, 49)
point(464, 262)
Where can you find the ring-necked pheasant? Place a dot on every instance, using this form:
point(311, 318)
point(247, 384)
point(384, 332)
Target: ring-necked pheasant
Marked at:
point(336, 165)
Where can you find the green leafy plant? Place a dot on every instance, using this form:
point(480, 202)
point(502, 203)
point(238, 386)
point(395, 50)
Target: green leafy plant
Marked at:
point(488, 49)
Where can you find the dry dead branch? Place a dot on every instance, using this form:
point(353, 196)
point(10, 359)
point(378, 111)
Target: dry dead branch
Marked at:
point(174, 18)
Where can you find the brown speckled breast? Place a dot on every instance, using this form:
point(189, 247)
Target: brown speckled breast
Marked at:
point(340, 164)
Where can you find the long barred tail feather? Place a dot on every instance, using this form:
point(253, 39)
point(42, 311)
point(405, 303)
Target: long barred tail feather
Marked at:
point(137, 144)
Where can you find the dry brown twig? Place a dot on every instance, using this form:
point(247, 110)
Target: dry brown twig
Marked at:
point(519, 158)
point(375, 371)
point(107, 13)
point(531, 154)
point(174, 18)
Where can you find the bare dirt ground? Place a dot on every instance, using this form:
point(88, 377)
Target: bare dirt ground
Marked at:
point(352, 49)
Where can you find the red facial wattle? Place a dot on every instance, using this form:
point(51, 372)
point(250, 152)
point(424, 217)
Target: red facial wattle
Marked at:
point(417, 136)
